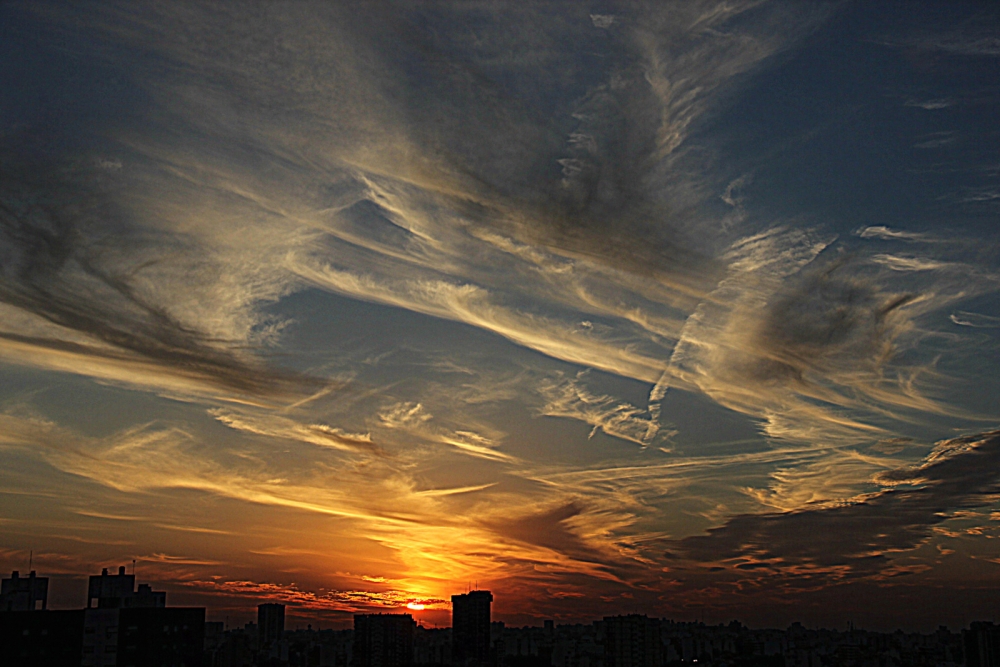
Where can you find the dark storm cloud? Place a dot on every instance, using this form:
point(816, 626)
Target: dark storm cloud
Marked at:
point(864, 532)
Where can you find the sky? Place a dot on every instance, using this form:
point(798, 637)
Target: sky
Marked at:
point(680, 308)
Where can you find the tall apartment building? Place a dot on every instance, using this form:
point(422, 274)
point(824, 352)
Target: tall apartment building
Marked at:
point(470, 629)
point(632, 641)
point(270, 625)
point(383, 640)
point(121, 626)
point(981, 643)
point(24, 593)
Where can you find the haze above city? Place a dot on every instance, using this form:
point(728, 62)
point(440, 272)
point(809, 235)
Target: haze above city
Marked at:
point(686, 309)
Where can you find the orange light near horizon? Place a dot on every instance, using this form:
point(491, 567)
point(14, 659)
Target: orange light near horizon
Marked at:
point(415, 606)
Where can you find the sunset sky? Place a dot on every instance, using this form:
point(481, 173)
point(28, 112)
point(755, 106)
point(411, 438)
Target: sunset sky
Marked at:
point(686, 308)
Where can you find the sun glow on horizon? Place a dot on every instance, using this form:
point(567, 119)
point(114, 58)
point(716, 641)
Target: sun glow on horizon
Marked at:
point(415, 606)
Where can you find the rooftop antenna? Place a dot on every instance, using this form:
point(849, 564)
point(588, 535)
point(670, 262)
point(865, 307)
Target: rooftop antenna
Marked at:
point(31, 559)
point(133, 567)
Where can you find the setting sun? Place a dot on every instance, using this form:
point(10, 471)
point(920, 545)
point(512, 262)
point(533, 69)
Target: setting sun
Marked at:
point(415, 606)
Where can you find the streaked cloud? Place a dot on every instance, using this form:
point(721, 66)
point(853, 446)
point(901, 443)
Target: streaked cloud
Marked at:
point(317, 434)
point(618, 419)
point(862, 533)
point(899, 263)
point(931, 105)
point(353, 601)
point(370, 270)
point(887, 234)
point(976, 320)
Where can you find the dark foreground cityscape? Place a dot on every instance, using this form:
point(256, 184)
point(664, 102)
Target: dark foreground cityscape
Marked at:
point(132, 627)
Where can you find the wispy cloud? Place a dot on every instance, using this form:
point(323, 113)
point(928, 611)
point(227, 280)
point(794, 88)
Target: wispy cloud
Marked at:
point(861, 533)
point(976, 320)
point(965, 43)
point(447, 223)
point(932, 104)
point(157, 305)
point(546, 176)
point(434, 532)
point(900, 263)
point(618, 419)
point(886, 233)
point(317, 434)
point(353, 601)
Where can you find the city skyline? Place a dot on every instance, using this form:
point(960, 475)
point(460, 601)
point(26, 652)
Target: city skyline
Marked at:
point(689, 308)
point(122, 625)
point(123, 585)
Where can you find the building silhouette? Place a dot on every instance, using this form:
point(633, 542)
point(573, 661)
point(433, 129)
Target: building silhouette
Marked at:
point(116, 591)
point(33, 638)
point(128, 627)
point(470, 629)
point(383, 640)
point(24, 594)
point(160, 636)
point(982, 645)
point(120, 627)
point(632, 641)
point(270, 626)
point(432, 646)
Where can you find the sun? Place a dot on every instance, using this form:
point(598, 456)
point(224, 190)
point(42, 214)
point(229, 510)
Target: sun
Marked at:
point(415, 606)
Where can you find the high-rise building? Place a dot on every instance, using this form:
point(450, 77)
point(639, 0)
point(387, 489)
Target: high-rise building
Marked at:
point(470, 629)
point(982, 645)
point(142, 637)
point(107, 596)
point(270, 625)
point(50, 639)
point(124, 625)
point(117, 591)
point(383, 640)
point(120, 627)
point(632, 641)
point(158, 637)
point(24, 594)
